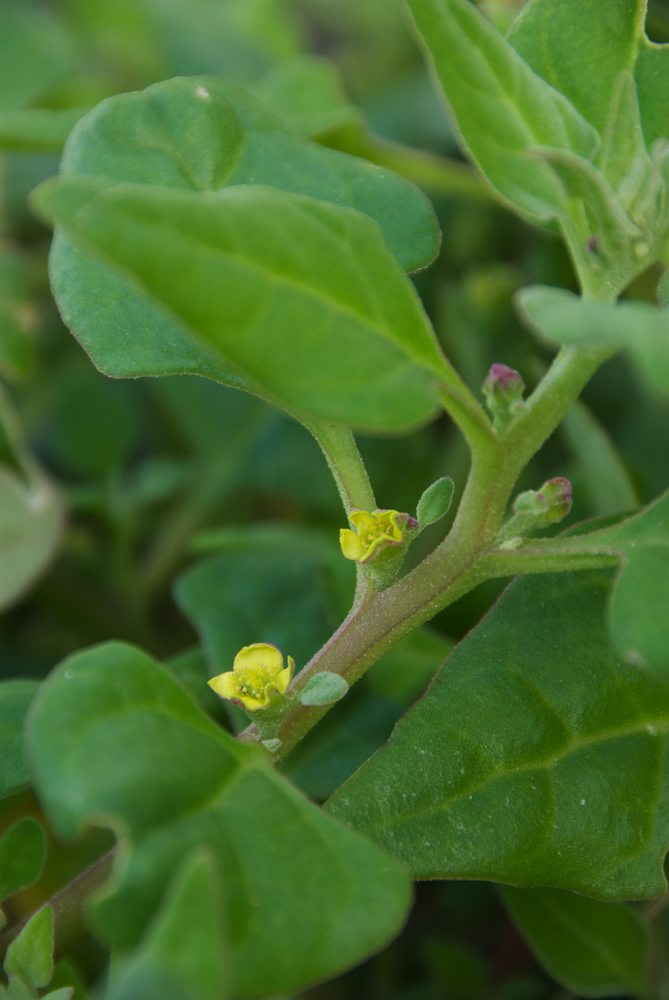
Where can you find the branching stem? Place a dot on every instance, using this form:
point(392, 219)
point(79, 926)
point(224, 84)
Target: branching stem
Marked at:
point(466, 557)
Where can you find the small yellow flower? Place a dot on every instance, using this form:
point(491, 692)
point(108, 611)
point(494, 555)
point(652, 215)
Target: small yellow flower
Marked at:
point(257, 676)
point(373, 531)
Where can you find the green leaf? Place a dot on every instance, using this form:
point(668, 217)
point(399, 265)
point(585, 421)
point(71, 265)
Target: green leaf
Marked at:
point(580, 47)
point(36, 52)
point(567, 319)
point(535, 758)
point(286, 588)
point(37, 130)
point(435, 501)
point(307, 94)
point(22, 854)
point(640, 598)
point(652, 79)
point(31, 513)
point(182, 955)
point(357, 727)
point(30, 956)
point(180, 784)
point(263, 264)
point(30, 528)
point(324, 688)
point(623, 154)
point(603, 238)
point(501, 107)
point(595, 949)
point(15, 699)
point(602, 472)
point(232, 139)
point(17, 990)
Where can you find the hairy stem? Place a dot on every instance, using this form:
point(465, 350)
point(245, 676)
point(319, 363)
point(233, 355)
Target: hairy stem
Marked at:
point(465, 558)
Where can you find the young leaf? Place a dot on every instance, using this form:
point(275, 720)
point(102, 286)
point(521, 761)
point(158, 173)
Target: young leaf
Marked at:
point(324, 688)
point(530, 735)
point(292, 297)
point(15, 699)
point(30, 956)
point(580, 47)
point(501, 107)
point(567, 319)
point(182, 955)
point(182, 783)
point(435, 501)
point(22, 853)
point(595, 949)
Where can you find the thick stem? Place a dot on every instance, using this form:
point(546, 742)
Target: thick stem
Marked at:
point(462, 560)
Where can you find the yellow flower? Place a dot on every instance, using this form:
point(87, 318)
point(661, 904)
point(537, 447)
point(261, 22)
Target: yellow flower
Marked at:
point(373, 531)
point(257, 676)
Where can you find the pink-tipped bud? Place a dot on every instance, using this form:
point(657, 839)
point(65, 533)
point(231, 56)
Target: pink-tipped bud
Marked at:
point(503, 390)
point(548, 505)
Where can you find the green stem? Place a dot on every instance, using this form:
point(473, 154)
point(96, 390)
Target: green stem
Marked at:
point(337, 443)
point(458, 564)
point(434, 173)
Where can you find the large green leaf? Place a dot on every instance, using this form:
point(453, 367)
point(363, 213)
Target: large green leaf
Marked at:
point(289, 295)
point(182, 956)
point(535, 758)
point(15, 699)
point(567, 319)
point(230, 139)
point(580, 47)
point(116, 741)
point(595, 949)
point(500, 105)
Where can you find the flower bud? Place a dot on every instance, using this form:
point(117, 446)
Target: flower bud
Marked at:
point(550, 504)
point(535, 510)
point(503, 389)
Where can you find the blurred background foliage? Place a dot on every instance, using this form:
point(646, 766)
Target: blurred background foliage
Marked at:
point(149, 510)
